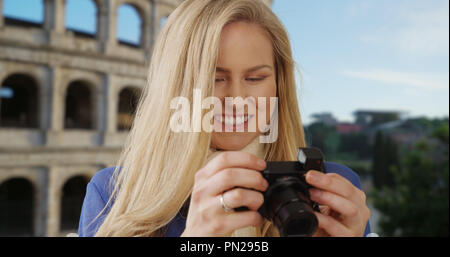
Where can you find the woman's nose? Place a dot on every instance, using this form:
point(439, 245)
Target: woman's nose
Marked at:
point(235, 89)
point(235, 96)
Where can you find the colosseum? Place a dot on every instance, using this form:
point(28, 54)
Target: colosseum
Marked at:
point(66, 103)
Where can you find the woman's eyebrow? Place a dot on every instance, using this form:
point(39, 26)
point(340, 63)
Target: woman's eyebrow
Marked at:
point(220, 69)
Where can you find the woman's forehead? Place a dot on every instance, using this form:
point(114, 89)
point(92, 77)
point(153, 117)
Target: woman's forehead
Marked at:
point(243, 46)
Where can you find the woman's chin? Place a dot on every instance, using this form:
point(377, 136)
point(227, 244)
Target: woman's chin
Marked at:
point(232, 141)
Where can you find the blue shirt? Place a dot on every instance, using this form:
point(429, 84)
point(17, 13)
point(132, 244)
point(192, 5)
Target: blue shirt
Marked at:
point(99, 189)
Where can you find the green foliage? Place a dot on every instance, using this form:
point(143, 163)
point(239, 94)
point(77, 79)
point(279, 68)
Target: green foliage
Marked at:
point(429, 125)
point(442, 133)
point(418, 206)
point(357, 144)
point(422, 122)
point(352, 146)
point(411, 185)
point(384, 159)
point(331, 144)
point(318, 133)
point(324, 137)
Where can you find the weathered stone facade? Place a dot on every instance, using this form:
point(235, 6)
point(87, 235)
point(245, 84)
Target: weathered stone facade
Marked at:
point(49, 154)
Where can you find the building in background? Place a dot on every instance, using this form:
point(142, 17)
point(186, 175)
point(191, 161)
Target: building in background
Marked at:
point(347, 128)
point(372, 118)
point(67, 100)
point(325, 118)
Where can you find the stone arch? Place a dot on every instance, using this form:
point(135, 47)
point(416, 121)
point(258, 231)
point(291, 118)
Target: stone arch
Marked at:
point(127, 104)
point(90, 7)
point(20, 101)
point(94, 80)
point(17, 207)
point(80, 106)
point(142, 9)
point(72, 196)
point(137, 27)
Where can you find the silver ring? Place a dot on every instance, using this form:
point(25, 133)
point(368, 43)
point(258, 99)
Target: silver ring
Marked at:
point(224, 206)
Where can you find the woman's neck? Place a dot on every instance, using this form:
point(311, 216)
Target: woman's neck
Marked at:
point(254, 147)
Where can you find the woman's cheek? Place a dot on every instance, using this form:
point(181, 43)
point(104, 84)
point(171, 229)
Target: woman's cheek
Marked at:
point(270, 91)
point(265, 112)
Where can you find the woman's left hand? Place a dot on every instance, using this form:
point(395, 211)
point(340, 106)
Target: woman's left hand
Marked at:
point(343, 207)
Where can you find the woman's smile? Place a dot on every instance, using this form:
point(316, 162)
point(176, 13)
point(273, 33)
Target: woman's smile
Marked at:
point(232, 123)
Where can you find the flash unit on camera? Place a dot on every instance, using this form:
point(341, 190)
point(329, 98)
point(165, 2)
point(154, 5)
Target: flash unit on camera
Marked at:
point(310, 158)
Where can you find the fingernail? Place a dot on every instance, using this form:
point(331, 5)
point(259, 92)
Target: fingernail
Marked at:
point(265, 183)
point(261, 163)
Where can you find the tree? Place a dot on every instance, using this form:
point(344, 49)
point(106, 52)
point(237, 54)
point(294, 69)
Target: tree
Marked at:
point(384, 159)
point(418, 206)
point(323, 137)
point(356, 144)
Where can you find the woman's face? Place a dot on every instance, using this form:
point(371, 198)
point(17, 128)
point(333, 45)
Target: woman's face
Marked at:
point(245, 68)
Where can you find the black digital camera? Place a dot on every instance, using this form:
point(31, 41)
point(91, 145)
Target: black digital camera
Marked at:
point(287, 203)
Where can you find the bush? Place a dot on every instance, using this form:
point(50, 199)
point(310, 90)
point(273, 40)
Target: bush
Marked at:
point(418, 206)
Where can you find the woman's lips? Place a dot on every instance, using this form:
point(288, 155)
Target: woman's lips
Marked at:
point(233, 122)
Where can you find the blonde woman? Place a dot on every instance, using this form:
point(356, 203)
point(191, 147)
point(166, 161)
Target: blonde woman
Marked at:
point(184, 183)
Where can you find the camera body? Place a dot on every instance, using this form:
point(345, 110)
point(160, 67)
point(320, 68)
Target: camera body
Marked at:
point(287, 203)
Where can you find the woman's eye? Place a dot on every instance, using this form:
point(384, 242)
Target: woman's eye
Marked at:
point(219, 80)
point(254, 79)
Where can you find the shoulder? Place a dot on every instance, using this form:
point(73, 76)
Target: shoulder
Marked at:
point(102, 175)
point(102, 181)
point(344, 171)
point(97, 195)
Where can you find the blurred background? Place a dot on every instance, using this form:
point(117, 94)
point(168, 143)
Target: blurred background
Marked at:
point(373, 85)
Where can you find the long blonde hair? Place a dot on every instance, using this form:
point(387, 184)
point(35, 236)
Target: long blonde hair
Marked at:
point(157, 166)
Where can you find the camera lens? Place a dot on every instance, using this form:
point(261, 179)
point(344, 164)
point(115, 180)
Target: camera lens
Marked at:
point(287, 206)
point(296, 219)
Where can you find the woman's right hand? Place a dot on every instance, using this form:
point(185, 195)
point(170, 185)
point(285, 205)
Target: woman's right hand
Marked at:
point(238, 176)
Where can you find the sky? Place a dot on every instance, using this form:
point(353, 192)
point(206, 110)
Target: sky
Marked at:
point(351, 54)
point(370, 54)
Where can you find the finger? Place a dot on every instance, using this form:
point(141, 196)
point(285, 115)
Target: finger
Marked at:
point(320, 233)
point(332, 226)
point(334, 183)
point(231, 159)
point(236, 177)
point(240, 197)
point(336, 202)
point(237, 220)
